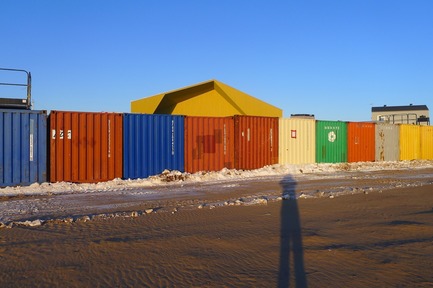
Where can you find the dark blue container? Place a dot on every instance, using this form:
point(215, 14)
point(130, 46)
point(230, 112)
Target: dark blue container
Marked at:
point(23, 147)
point(151, 144)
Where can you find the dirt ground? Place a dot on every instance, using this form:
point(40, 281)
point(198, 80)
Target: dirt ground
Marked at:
point(377, 238)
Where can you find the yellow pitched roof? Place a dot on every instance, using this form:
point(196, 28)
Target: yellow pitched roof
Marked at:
point(210, 98)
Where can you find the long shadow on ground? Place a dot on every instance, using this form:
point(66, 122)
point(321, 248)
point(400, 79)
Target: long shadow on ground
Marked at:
point(290, 238)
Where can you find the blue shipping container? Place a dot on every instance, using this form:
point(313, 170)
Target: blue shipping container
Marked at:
point(23, 147)
point(151, 144)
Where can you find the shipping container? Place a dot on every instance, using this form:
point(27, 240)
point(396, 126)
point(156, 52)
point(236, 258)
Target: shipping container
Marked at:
point(23, 147)
point(427, 142)
point(410, 144)
point(331, 141)
point(360, 142)
point(256, 141)
point(387, 138)
point(151, 144)
point(297, 141)
point(85, 146)
point(209, 143)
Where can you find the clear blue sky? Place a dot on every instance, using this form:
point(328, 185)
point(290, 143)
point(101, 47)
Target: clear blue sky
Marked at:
point(334, 59)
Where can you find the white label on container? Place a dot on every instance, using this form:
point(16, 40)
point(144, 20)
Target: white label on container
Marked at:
point(271, 139)
point(172, 137)
point(332, 136)
point(225, 140)
point(109, 138)
point(61, 134)
point(31, 138)
point(69, 134)
point(53, 134)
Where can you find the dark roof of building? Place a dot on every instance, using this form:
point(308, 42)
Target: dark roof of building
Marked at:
point(399, 108)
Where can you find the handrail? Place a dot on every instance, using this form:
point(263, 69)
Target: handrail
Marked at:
point(28, 85)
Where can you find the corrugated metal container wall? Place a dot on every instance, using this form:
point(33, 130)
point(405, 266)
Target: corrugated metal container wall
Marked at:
point(85, 146)
point(410, 144)
point(331, 141)
point(360, 141)
point(256, 141)
point(151, 144)
point(209, 143)
point(427, 142)
point(387, 137)
point(297, 141)
point(23, 147)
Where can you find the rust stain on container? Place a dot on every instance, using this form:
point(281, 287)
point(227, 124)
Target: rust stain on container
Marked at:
point(256, 141)
point(360, 141)
point(85, 146)
point(209, 143)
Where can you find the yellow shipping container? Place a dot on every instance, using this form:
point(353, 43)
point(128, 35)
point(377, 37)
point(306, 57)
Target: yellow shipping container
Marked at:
point(410, 142)
point(427, 142)
point(297, 141)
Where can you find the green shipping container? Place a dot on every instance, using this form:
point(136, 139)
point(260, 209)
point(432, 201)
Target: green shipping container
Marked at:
point(331, 141)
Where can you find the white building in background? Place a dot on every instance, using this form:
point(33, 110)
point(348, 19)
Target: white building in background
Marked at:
point(410, 114)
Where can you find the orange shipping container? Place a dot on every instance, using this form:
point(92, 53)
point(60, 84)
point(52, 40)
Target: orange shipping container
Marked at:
point(361, 145)
point(85, 146)
point(256, 141)
point(208, 143)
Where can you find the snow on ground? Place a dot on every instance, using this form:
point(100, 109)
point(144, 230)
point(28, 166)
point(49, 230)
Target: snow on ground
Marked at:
point(178, 178)
point(83, 202)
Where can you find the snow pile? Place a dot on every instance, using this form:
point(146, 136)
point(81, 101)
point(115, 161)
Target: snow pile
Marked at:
point(176, 177)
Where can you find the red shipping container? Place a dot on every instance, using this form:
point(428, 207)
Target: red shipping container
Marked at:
point(85, 146)
point(209, 144)
point(256, 141)
point(361, 145)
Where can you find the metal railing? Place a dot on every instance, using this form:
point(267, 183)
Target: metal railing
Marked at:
point(18, 103)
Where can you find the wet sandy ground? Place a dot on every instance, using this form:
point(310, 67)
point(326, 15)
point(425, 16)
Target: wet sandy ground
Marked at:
point(376, 238)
